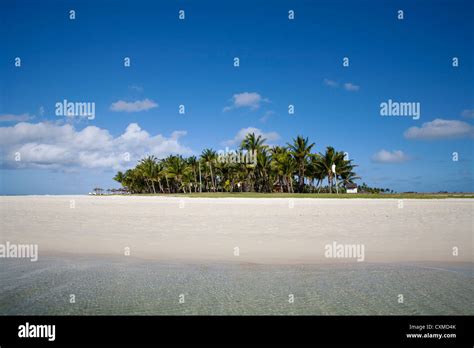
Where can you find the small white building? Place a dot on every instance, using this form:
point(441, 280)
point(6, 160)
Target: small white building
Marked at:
point(351, 188)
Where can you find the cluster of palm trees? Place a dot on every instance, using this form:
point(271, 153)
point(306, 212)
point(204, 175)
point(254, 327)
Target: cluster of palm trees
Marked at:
point(291, 168)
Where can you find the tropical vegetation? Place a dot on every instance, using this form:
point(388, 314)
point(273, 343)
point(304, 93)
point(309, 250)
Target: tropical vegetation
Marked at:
point(294, 168)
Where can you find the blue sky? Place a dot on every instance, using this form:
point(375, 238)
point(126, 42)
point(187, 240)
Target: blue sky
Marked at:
point(190, 62)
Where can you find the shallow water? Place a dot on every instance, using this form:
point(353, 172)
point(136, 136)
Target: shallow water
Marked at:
point(117, 287)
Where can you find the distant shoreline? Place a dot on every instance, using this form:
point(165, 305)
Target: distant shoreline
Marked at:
point(318, 195)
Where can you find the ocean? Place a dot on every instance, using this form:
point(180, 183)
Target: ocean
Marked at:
point(118, 286)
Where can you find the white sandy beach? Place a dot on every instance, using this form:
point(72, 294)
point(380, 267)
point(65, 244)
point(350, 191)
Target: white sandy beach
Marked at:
point(266, 230)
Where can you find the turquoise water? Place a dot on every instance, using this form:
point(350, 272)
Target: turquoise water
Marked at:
point(118, 287)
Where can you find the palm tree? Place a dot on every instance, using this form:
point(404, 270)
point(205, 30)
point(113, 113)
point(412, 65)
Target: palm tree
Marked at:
point(254, 144)
point(344, 168)
point(275, 167)
point(263, 170)
point(194, 166)
point(346, 172)
point(300, 150)
point(209, 156)
point(119, 177)
point(134, 180)
point(317, 170)
point(284, 167)
point(148, 168)
point(325, 162)
point(177, 170)
point(277, 154)
point(160, 172)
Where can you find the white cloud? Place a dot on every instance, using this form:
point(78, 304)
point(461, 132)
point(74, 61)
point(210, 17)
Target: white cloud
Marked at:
point(15, 118)
point(330, 83)
point(468, 113)
point(440, 129)
point(351, 87)
point(136, 88)
point(270, 136)
point(348, 86)
point(251, 100)
point(139, 105)
point(48, 145)
point(266, 116)
point(384, 156)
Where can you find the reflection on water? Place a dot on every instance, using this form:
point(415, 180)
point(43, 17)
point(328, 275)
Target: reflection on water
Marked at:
point(112, 286)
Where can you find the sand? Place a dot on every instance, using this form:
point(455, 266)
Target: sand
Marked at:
point(186, 247)
point(265, 231)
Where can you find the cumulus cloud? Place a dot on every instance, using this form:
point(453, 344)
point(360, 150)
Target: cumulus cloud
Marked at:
point(351, 87)
point(270, 136)
point(250, 100)
point(348, 86)
point(136, 88)
point(330, 83)
point(266, 116)
point(468, 113)
point(54, 146)
point(15, 118)
point(440, 129)
point(384, 156)
point(136, 106)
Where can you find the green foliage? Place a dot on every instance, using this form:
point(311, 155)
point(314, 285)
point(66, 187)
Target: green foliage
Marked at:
point(277, 169)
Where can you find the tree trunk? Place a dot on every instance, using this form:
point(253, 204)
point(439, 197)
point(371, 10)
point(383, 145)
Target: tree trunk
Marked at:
point(212, 179)
point(301, 179)
point(160, 187)
point(148, 185)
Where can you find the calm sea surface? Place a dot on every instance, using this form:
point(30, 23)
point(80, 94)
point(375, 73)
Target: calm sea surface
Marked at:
point(117, 287)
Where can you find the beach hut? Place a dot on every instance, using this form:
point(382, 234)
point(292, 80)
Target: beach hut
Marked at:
point(98, 191)
point(351, 188)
